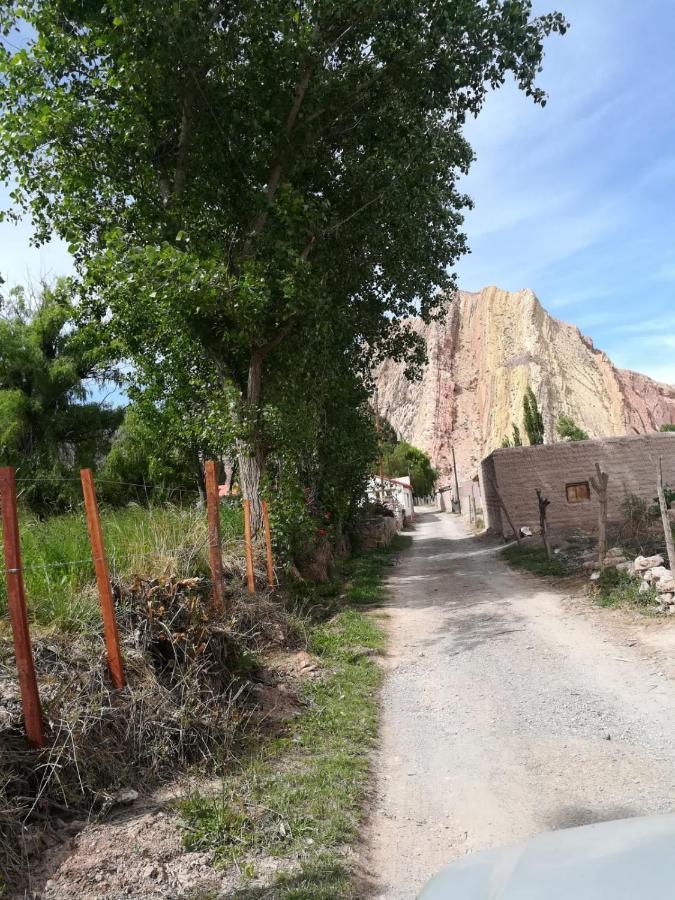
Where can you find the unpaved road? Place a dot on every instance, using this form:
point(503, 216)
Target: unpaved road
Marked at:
point(506, 712)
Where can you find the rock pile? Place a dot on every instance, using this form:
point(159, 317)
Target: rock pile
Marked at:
point(651, 572)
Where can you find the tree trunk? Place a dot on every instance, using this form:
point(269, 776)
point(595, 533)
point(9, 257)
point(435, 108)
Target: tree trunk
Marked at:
point(667, 525)
point(250, 453)
point(599, 485)
point(543, 506)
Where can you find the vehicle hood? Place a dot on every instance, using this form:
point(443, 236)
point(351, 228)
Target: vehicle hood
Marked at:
point(626, 860)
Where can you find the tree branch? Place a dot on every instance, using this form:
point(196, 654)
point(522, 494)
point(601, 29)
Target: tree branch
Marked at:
point(184, 139)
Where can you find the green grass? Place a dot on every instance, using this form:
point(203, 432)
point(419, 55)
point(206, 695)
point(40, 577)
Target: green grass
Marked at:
point(534, 559)
point(58, 572)
point(300, 797)
point(615, 588)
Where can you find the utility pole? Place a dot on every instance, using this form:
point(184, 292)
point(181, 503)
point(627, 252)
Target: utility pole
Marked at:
point(454, 470)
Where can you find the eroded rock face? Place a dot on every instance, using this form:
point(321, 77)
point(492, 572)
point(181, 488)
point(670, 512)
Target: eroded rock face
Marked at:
point(482, 357)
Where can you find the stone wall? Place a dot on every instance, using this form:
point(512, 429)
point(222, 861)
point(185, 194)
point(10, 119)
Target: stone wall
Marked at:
point(631, 463)
point(379, 531)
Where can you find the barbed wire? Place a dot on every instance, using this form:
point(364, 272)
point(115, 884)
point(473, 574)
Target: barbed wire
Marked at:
point(114, 557)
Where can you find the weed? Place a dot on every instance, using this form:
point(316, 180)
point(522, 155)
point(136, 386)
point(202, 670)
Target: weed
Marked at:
point(534, 559)
point(616, 588)
point(58, 571)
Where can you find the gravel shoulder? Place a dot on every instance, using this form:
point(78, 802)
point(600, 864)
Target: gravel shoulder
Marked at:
point(509, 708)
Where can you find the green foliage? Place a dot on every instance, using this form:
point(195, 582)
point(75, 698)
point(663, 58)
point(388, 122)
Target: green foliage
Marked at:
point(253, 190)
point(47, 429)
point(667, 428)
point(534, 422)
point(534, 559)
point(404, 459)
point(150, 458)
point(569, 431)
point(515, 440)
point(615, 588)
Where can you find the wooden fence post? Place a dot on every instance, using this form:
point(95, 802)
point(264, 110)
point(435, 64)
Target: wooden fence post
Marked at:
point(112, 640)
point(16, 602)
point(268, 544)
point(248, 540)
point(215, 549)
point(544, 504)
point(667, 524)
point(599, 485)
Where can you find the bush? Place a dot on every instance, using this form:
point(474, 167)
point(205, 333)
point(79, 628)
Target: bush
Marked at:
point(616, 588)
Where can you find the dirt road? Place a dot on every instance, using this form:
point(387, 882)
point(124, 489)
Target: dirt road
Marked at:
point(507, 711)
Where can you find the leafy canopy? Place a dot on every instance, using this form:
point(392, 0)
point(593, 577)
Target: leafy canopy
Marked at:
point(230, 173)
point(404, 459)
point(534, 422)
point(568, 430)
point(48, 428)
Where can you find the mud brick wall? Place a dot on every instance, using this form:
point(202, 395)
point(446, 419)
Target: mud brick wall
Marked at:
point(631, 463)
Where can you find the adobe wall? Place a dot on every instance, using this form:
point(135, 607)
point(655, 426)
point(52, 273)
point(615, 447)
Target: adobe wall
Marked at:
point(630, 462)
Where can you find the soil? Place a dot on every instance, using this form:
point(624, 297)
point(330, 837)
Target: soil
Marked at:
point(509, 708)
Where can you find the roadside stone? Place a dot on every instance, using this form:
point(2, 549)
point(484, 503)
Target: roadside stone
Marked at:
point(642, 563)
point(615, 553)
point(595, 576)
point(644, 588)
point(666, 586)
point(660, 572)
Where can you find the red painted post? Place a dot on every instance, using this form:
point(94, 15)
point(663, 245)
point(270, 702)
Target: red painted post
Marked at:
point(16, 601)
point(268, 544)
point(248, 540)
point(112, 639)
point(215, 550)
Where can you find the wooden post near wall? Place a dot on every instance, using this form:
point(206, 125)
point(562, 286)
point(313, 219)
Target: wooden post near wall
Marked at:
point(599, 485)
point(215, 548)
point(248, 540)
point(667, 524)
point(16, 602)
point(268, 544)
point(112, 640)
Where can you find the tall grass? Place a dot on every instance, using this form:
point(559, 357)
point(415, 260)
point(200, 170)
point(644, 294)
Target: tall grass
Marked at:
point(156, 541)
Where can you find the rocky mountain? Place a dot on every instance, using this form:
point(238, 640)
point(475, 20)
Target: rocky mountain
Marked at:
point(481, 359)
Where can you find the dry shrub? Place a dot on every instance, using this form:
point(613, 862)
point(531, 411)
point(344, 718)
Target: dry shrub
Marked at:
point(189, 673)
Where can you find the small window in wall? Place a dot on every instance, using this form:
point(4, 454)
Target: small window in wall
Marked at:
point(578, 492)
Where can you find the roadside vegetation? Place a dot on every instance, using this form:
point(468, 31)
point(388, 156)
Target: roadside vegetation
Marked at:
point(154, 541)
point(300, 797)
point(534, 559)
point(616, 588)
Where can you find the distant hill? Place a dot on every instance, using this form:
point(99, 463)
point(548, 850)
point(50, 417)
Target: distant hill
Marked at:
point(482, 357)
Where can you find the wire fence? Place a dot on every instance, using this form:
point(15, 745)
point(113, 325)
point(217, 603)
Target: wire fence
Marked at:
point(99, 564)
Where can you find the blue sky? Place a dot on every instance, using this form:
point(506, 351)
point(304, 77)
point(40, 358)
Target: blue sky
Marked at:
point(576, 200)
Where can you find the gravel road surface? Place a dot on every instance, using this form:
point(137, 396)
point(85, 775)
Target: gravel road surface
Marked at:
point(507, 711)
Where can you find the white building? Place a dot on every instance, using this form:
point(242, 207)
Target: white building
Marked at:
point(395, 493)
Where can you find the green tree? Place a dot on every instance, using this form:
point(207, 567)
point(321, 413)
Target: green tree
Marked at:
point(231, 177)
point(534, 422)
point(48, 363)
point(568, 430)
point(150, 457)
point(515, 440)
point(405, 459)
